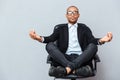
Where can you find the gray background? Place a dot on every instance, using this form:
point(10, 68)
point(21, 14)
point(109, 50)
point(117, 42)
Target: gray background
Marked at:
point(22, 58)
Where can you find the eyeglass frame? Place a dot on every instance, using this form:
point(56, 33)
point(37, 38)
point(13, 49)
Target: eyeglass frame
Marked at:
point(72, 12)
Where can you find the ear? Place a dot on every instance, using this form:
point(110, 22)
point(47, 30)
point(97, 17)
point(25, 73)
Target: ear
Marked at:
point(78, 15)
point(66, 15)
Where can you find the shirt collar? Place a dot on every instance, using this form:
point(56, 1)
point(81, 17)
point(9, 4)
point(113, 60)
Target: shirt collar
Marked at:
point(70, 25)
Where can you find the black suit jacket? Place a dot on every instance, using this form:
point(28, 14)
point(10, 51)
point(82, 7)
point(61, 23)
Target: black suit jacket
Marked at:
point(61, 34)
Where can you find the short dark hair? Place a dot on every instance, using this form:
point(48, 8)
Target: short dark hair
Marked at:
point(74, 7)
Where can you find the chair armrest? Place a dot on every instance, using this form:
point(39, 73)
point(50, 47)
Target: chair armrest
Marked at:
point(95, 60)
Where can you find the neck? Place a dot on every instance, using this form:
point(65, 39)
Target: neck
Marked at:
point(72, 23)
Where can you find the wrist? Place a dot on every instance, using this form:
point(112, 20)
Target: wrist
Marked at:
point(38, 38)
point(101, 42)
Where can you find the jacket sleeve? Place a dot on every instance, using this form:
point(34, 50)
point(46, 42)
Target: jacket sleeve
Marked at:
point(90, 37)
point(53, 37)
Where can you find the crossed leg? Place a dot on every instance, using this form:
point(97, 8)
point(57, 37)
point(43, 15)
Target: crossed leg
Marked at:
point(59, 57)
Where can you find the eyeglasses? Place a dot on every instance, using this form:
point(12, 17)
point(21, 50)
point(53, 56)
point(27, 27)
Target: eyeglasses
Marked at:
point(72, 12)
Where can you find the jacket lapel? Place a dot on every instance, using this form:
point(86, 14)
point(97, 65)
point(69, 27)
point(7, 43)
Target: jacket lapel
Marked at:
point(66, 33)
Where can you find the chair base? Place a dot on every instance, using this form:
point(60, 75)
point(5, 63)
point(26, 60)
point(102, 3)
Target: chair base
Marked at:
point(73, 79)
point(70, 79)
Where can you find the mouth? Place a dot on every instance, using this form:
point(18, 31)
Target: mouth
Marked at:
point(72, 19)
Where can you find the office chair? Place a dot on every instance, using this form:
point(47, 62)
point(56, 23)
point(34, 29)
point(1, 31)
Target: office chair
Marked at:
point(93, 66)
point(74, 76)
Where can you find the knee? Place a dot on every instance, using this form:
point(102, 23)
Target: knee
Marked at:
point(93, 47)
point(49, 45)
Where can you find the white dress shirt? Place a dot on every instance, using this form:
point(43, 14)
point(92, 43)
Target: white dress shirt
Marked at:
point(73, 45)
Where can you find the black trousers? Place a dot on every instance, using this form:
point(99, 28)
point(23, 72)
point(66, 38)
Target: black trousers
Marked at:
point(73, 61)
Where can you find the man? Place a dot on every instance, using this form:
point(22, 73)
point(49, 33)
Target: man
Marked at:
point(75, 43)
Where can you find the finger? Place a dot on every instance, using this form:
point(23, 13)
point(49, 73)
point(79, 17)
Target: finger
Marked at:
point(109, 34)
point(32, 32)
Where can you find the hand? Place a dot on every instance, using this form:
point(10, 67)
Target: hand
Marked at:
point(106, 38)
point(34, 36)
